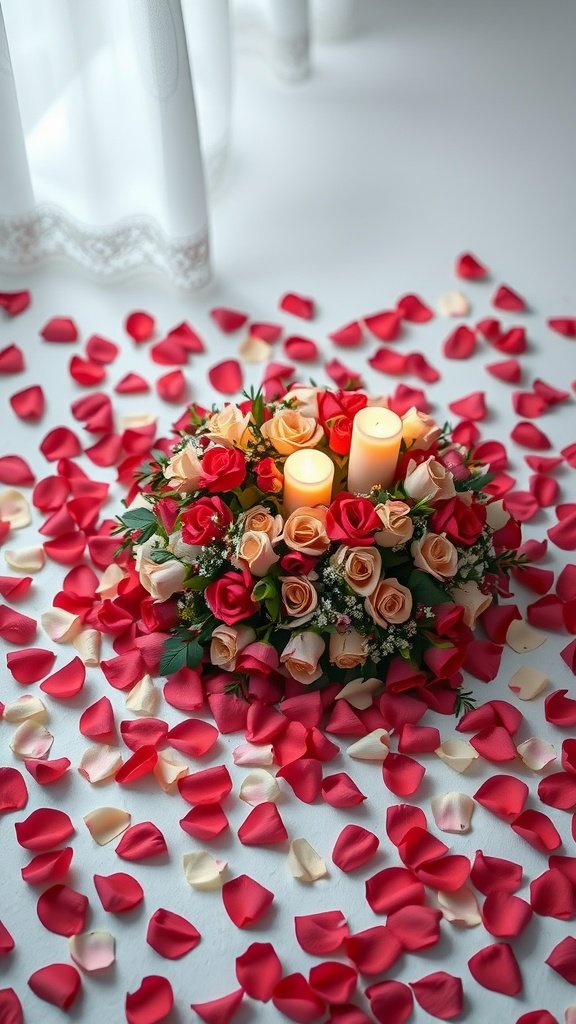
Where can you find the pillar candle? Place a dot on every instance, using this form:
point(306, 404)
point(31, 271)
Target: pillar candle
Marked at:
point(308, 477)
point(376, 437)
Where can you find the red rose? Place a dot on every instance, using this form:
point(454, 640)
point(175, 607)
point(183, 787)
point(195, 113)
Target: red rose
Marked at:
point(159, 616)
point(461, 523)
point(205, 521)
point(229, 599)
point(268, 476)
point(339, 403)
point(508, 537)
point(352, 520)
point(340, 434)
point(167, 511)
point(223, 469)
point(296, 563)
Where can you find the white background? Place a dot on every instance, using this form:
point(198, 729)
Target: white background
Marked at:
point(441, 127)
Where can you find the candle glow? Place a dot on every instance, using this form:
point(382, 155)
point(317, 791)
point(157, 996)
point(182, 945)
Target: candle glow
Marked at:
point(308, 477)
point(376, 437)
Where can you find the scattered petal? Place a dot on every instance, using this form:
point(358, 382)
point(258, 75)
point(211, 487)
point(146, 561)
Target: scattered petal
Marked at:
point(13, 792)
point(505, 915)
point(141, 842)
point(536, 753)
point(321, 933)
point(304, 863)
point(375, 746)
point(439, 994)
point(457, 754)
point(62, 910)
point(259, 787)
point(171, 935)
point(31, 740)
point(259, 970)
point(496, 968)
point(99, 762)
point(452, 812)
point(202, 871)
point(460, 907)
point(59, 984)
point(118, 892)
point(151, 1003)
point(226, 377)
point(354, 847)
point(295, 998)
point(245, 900)
point(219, 1011)
point(106, 823)
point(93, 951)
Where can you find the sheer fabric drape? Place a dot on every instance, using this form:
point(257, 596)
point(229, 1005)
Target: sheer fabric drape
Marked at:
point(115, 118)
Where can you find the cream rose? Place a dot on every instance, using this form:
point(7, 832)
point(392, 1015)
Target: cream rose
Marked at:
point(301, 656)
point(227, 642)
point(184, 470)
point(347, 650)
point(299, 597)
point(288, 431)
point(429, 480)
point(397, 525)
point(229, 427)
point(161, 580)
point(419, 431)
point(361, 567)
point(261, 520)
point(472, 600)
point(185, 552)
point(305, 400)
point(436, 555)
point(305, 530)
point(390, 603)
point(255, 553)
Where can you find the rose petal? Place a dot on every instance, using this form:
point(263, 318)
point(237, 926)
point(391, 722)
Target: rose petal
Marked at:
point(494, 744)
point(205, 822)
point(496, 968)
point(263, 826)
point(59, 984)
point(298, 305)
point(472, 407)
point(508, 370)
point(415, 927)
point(106, 823)
point(226, 377)
point(452, 812)
point(142, 761)
point(296, 999)
point(460, 907)
point(202, 871)
point(460, 343)
point(13, 791)
point(14, 509)
point(259, 787)
point(67, 681)
point(528, 682)
point(169, 352)
point(219, 1011)
point(12, 360)
point(563, 325)
point(495, 874)
point(206, 787)
point(29, 665)
point(386, 325)
point(374, 950)
point(245, 900)
point(140, 326)
point(538, 830)
point(23, 708)
point(193, 737)
point(46, 773)
point(132, 384)
point(393, 888)
point(43, 828)
point(259, 970)
point(372, 747)
point(304, 863)
point(558, 790)
point(340, 791)
point(143, 698)
point(402, 774)
point(333, 981)
point(504, 795)
point(172, 387)
point(354, 847)
point(321, 933)
point(228, 320)
point(453, 304)
point(400, 819)
point(99, 762)
point(530, 436)
point(151, 1003)
point(439, 994)
point(169, 769)
point(48, 867)
point(141, 842)
point(349, 336)
point(562, 959)
point(457, 754)
point(391, 1002)
point(93, 951)
point(552, 894)
point(171, 935)
point(522, 638)
point(467, 266)
point(301, 349)
point(414, 309)
point(255, 350)
point(563, 534)
point(62, 910)
point(61, 626)
point(31, 740)
point(304, 776)
point(118, 892)
point(505, 915)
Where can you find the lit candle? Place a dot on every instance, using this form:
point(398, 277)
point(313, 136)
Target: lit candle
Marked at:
point(376, 437)
point(308, 477)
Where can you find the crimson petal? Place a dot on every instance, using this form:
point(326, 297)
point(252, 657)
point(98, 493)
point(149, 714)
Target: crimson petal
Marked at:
point(171, 935)
point(219, 1011)
point(118, 892)
point(13, 792)
point(60, 328)
point(296, 999)
point(141, 842)
point(259, 970)
point(43, 828)
point(63, 910)
point(226, 377)
point(354, 847)
point(391, 1002)
point(151, 1003)
point(245, 900)
point(496, 968)
point(321, 933)
point(56, 983)
point(439, 994)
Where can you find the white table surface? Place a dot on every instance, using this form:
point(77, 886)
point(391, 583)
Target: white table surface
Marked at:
point(442, 127)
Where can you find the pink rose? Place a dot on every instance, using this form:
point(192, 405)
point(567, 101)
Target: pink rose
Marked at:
point(360, 567)
point(390, 603)
point(347, 650)
point(429, 479)
point(227, 642)
point(301, 656)
point(436, 555)
point(397, 525)
point(229, 599)
point(299, 597)
point(305, 531)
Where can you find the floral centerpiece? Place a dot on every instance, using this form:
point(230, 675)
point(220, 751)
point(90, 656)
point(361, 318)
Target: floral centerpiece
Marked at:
point(269, 562)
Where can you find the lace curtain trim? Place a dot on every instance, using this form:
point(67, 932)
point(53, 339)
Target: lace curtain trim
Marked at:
point(135, 243)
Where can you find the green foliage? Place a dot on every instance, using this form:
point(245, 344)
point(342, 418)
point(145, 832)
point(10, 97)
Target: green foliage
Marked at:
point(426, 590)
point(180, 651)
point(266, 590)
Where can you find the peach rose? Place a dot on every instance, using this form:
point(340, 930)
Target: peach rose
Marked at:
point(361, 567)
point(262, 521)
point(419, 431)
point(304, 399)
point(301, 656)
point(390, 603)
point(183, 471)
point(288, 431)
point(429, 480)
point(161, 580)
point(299, 597)
point(397, 525)
point(227, 642)
point(472, 600)
point(435, 554)
point(229, 427)
point(255, 553)
point(347, 650)
point(305, 530)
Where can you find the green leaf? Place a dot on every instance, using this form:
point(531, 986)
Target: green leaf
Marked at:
point(173, 657)
point(138, 518)
point(477, 484)
point(426, 589)
point(197, 583)
point(161, 555)
point(194, 653)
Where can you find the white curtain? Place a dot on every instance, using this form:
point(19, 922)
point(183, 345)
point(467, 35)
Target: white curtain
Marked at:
point(115, 118)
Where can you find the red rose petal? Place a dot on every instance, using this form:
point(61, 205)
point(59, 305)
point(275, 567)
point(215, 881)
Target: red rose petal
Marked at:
point(6, 941)
point(419, 846)
point(483, 660)
point(494, 712)
point(460, 343)
point(56, 983)
point(513, 342)
point(354, 847)
point(496, 968)
point(226, 377)
point(14, 303)
point(472, 407)
point(219, 1011)
point(391, 1002)
point(97, 721)
point(528, 404)
point(263, 826)
point(48, 867)
point(321, 933)
point(142, 841)
point(565, 584)
point(374, 950)
point(414, 309)
point(386, 325)
point(558, 790)
point(546, 613)
point(302, 350)
point(563, 534)
point(43, 828)
point(404, 397)
point(415, 927)
point(101, 350)
point(14, 470)
point(67, 681)
point(530, 436)
point(467, 266)
point(47, 772)
point(552, 894)
point(400, 818)
point(12, 360)
point(85, 372)
point(538, 830)
point(562, 959)
point(228, 320)
point(388, 360)
point(349, 336)
point(507, 298)
point(342, 376)
point(10, 1007)
point(63, 910)
point(565, 325)
point(304, 776)
point(170, 935)
point(445, 873)
point(495, 874)
point(418, 739)
point(205, 822)
point(504, 795)
point(106, 451)
point(522, 505)
point(505, 915)
point(393, 888)
point(544, 489)
point(118, 892)
point(296, 999)
point(228, 710)
point(298, 305)
point(60, 443)
point(494, 744)
point(30, 665)
point(508, 370)
point(15, 627)
point(245, 900)
point(209, 786)
point(334, 982)
point(13, 792)
point(169, 353)
point(266, 332)
point(537, 1017)
point(340, 791)
point(151, 1003)
point(172, 386)
point(439, 994)
point(142, 762)
point(60, 328)
point(66, 549)
point(29, 404)
point(193, 737)
point(132, 384)
point(259, 970)
point(402, 774)
point(140, 326)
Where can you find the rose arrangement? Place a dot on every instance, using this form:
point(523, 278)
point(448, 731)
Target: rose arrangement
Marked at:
point(383, 587)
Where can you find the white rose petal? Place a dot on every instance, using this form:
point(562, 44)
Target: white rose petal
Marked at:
point(452, 811)
point(14, 508)
point(460, 907)
point(61, 626)
point(93, 951)
point(358, 692)
point(254, 350)
point(136, 419)
point(99, 762)
point(453, 304)
point(457, 754)
point(536, 753)
point(522, 638)
point(375, 746)
point(143, 698)
point(168, 769)
point(253, 754)
point(88, 643)
point(31, 740)
point(25, 708)
point(111, 577)
point(106, 823)
point(304, 863)
point(259, 787)
point(23, 560)
point(202, 870)
point(528, 682)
